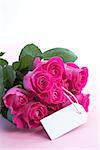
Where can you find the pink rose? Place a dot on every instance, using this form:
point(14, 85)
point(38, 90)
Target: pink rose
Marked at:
point(55, 67)
point(36, 62)
point(67, 77)
point(32, 113)
point(79, 79)
point(38, 81)
point(54, 96)
point(71, 64)
point(75, 78)
point(55, 107)
point(39, 65)
point(83, 100)
point(57, 95)
point(15, 99)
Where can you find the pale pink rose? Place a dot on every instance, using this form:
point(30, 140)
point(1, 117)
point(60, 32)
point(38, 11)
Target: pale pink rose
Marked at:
point(39, 65)
point(37, 62)
point(31, 115)
point(16, 98)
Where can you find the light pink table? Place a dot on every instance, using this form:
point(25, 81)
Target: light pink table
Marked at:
point(85, 136)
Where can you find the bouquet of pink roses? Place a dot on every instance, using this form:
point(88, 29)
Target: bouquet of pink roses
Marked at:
point(33, 87)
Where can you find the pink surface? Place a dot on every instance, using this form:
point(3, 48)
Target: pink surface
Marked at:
point(85, 136)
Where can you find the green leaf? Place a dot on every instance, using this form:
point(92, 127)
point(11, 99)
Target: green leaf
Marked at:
point(19, 76)
point(9, 115)
point(65, 54)
point(27, 55)
point(2, 53)
point(3, 62)
point(9, 76)
point(4, 111)
point(16, 65)
point(19, 79)
point(1, 87)
point(30, 50)
point(25, 62)
point(1, 83)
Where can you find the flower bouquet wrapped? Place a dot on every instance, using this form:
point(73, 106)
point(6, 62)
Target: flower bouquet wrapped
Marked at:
point(33, 87)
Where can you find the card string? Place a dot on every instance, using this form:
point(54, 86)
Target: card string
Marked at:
point(65, 90)
point(70, 94)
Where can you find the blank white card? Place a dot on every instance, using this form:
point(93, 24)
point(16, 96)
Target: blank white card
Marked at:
point(64, 120)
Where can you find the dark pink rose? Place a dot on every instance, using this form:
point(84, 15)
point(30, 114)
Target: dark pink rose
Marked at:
point(57, 94)
point(83, 100)
point(38, 81)
point(31, 115)
point(67, 77)
point(54, 96)
point(45, 98)
point(55, 107)
point(75, 78)
point(79, 79)
point(55, 67)
point(71, 64)
point(16, 98)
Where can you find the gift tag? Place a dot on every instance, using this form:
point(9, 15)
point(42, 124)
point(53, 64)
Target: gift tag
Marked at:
point(64, 120)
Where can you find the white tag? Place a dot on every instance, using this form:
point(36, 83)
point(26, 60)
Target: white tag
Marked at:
point(64, 120)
